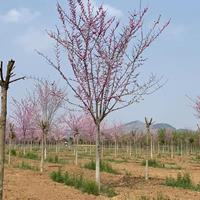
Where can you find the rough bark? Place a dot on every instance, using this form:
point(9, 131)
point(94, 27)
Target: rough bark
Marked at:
point(2, 136)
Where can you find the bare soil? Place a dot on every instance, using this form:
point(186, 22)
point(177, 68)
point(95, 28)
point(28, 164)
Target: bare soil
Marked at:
point(129, 184)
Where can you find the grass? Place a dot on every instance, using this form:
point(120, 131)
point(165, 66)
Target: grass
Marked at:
point(156, 164)
point(13, 152)
point(27, 166)
point(153, 163)
point(159, 196)
point(182, 181)
point(29, 155)
point(79, 182)
point(117, 161)
point(55, 159)
point(104, 167)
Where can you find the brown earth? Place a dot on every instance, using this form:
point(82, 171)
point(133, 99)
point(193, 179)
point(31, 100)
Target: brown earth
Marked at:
point(130, 184)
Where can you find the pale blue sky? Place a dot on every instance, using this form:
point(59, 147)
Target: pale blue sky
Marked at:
point(175, 54)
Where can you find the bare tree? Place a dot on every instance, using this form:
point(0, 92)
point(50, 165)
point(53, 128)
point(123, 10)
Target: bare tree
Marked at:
point(148, 125)
point(4, 83)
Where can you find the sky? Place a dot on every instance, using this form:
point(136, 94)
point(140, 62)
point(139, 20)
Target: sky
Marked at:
point(174, 55)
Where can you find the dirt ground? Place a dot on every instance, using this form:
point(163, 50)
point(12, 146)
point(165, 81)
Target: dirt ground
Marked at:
point(129, 184)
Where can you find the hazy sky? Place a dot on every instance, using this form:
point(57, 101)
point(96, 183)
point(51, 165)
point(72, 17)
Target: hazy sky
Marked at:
point(175, 54)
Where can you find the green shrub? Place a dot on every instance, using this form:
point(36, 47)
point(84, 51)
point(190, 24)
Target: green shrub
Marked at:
point(27, 166)
point(54, 159)
point(182, 181)
point(153, 163)
point(29, 155)
point(13, 152)
point(80, 183)
point(104, 167)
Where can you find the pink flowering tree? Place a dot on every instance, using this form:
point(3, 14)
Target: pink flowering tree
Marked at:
point(49, 99)
point(74, 122)
point(88, 130)
point(105, 58)
point(58, 133)
point(116, 132)
point(23, 115)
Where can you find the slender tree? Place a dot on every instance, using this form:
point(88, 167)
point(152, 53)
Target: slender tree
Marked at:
point(105, 72)
point(5, 82)
point(11, 136)
point(49, 99)
point(148, 126)
point(23, 114)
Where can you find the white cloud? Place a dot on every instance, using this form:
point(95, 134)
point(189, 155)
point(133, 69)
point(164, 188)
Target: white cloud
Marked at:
point(177, 31)
point(21, 15)
point(34, 39)
point(112, 11)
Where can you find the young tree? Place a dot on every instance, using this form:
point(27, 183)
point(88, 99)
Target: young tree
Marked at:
point(48, 98)
point(148, 126)
point(105, 70)
point(11, 136)
point(23, 115)
point(75, 125)
point(4, 83)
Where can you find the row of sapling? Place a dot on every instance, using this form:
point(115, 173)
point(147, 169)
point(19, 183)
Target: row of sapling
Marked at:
point(103, 72)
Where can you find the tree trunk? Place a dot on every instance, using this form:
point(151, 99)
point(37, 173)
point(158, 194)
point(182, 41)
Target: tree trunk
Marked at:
point(42, 153)
point(9, 149)
point(172, 149)
point(2, 136)
point(151, 137)
point(24, 145)
point(90, 148)
point(45, 146)
point(98, 153)
point(115, 148)
point(76, 151)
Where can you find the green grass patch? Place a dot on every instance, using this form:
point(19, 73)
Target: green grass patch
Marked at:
point(26, 166)
point(13, 152)
point(29, 155)
point(156, 164)
point(117, 160)
point(79, 182)
point(55, 159)
point(104, 167)
point(182, 181)
point(153, 163)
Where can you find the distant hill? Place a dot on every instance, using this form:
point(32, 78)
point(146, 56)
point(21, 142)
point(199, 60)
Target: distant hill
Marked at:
point(163, 126)
point(139, 126)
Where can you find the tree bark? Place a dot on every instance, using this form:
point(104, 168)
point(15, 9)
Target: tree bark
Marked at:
point(98, 153)
point(2, 136)
point(42, 153)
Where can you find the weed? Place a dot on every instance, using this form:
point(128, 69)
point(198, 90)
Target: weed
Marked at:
point(13, 152)
point(27, 166)
point(182, 181)
point(153, 163)
point(80, 183)
point(104, 167)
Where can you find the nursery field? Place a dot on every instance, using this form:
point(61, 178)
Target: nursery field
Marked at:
point(123, 175)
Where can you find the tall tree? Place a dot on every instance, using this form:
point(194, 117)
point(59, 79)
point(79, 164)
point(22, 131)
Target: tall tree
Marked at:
point(104, 73)
point(5, 82)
